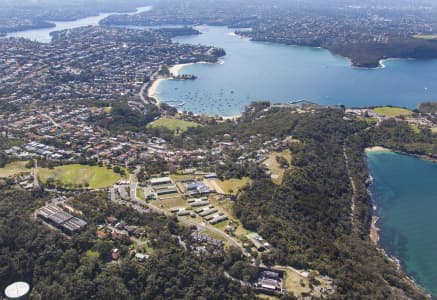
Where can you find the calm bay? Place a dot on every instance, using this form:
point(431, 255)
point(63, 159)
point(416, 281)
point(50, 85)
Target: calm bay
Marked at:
point(253, 71)
point(405, 192)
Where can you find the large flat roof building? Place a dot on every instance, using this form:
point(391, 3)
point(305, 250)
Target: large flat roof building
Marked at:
point(57, 217)
point(161, 181)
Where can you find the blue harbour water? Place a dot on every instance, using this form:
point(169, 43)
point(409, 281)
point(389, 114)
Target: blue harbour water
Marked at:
point(43, 34)
point(253, 71)
point(405, 192)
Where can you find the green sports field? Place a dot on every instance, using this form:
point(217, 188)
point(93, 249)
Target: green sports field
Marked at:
point(175, 125)
point(76, 175)
point(392, 111)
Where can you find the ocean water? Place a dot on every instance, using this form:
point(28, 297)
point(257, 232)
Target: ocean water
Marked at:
point(253, 71)
point(405, 192)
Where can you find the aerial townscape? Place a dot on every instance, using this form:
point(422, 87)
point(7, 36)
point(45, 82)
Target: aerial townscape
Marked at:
point(116, 184)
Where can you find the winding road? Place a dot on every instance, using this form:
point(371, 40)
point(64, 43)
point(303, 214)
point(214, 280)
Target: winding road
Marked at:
point(354, 189)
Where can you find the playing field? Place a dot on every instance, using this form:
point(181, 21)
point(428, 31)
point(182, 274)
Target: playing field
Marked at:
point(75, 175)
point(392, 111)
point(175, 125)
point(13, 169)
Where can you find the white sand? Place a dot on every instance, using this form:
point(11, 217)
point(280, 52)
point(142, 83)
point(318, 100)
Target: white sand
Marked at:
point(151, 92)
point(175, 70)
point(376, 149)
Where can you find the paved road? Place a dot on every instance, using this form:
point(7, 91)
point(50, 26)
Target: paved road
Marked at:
point(228, 238)
point(133, 187)
point(243, 283)
point(354, 189)
point(146, 85)
point(35, 174)
point(112, 194)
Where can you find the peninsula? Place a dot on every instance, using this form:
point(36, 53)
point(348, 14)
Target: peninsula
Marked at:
point(343, 28)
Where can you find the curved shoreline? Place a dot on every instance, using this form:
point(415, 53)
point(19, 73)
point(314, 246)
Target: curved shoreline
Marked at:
point(381, 62)
point(375, 230)
point(153, 85)
point(94, 20)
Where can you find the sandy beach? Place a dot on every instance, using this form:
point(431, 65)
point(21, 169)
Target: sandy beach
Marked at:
point(175, 70)
point(376, 149)
point(151, 91)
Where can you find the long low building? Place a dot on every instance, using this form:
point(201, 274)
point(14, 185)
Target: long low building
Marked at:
point(166, 191)
point(218, 220)
point(191, 200)
point(199, 203)
point(208, 212)
point(161, 181)
point(62, 220)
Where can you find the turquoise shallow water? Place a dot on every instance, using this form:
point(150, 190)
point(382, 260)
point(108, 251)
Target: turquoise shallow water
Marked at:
point(405, 191)
point(279, 73)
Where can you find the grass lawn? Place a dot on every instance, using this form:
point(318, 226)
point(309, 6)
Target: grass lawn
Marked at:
point(107, 109)
point(71, 175)
point(227, 206)
point(13, 169)
point(170, 203)
point(275, 168)
point(426, 36)
point(392, 111)
point(267, 297)
point(92, 254)
point(230, 186)
point(140, 194)
point(175, 125)
point(222, 225)
point(177, 177)
point(293, 280)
